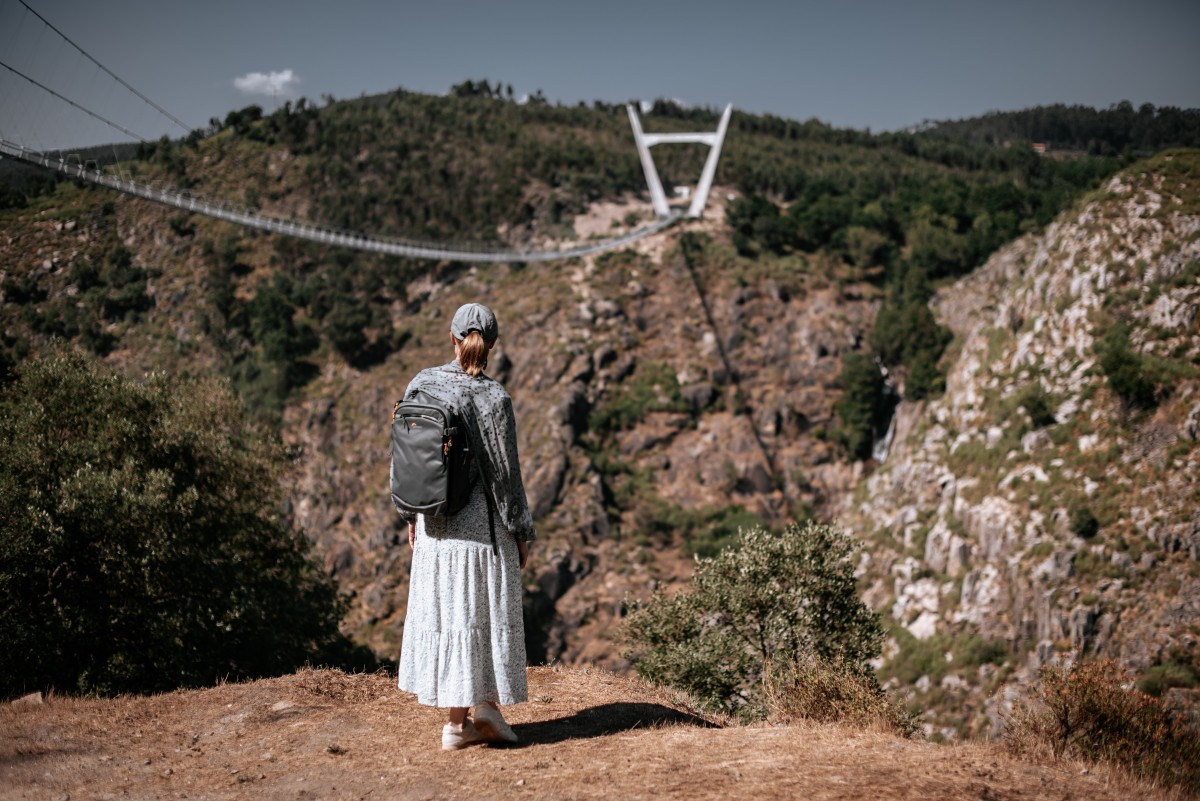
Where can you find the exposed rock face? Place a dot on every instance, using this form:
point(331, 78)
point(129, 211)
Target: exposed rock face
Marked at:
point(999, 499)
point(755, 368)
point(972, 521)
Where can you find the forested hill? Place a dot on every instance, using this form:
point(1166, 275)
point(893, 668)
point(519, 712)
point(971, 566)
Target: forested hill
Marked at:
point(722, 374)
point(474, 166)
point(1118, 129)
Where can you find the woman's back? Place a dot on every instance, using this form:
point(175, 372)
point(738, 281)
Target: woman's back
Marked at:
point(487, 407)
point(464, 641)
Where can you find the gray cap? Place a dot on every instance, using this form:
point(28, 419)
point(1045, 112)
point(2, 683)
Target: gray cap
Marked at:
point(475, 317)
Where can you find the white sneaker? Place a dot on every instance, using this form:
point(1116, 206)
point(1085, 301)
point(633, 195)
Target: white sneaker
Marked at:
point(492, 726)
point(454, 738)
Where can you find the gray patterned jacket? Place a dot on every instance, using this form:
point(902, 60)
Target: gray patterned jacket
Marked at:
point(488, 409)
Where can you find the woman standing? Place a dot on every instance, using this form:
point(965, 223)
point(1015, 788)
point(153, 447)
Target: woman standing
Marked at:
point(464, 637)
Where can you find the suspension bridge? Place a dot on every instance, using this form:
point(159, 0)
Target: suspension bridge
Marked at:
point(112, 177)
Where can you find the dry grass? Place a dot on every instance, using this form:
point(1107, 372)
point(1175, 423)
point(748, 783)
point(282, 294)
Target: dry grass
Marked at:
point(586, 735)
point(813, 689)
point(1085, 712)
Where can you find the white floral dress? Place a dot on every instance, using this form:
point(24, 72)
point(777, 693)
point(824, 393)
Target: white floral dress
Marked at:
point(464, 636)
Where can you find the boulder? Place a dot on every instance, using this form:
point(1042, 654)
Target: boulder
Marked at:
point(1035, 441)
point(1059, 567)
point(1082, 626)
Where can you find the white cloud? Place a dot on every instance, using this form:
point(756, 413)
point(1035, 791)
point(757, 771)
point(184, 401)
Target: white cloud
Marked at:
point(268, 83)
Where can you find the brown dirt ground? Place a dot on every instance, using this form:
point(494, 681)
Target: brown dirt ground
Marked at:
point(323, 734)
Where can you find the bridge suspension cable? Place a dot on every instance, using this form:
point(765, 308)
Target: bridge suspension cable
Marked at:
point(111, 74)
point(392, 246)
point(72, 103)
point(57, 160)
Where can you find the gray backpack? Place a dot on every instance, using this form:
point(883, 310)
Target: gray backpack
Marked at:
point(432, 459)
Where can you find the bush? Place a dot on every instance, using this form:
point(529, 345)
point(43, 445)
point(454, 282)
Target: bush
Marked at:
point(1083, 712)
point(924, 377)
point(141, 543)
point(768, 598)
point(344, 325)
point(916, 658)
point(1127, 372)
point(1037, 405)
point(1161, 678)
point(1083, 522)
point(653, 387)
point(828, 691)
point(866, 405)
point(704, 531)
point(971, 650)
point(867, 248)
point(907, 333)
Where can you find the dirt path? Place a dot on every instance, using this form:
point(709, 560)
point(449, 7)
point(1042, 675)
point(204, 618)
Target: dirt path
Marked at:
point(586, 735)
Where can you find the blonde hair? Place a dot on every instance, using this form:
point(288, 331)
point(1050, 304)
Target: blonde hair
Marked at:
point(473, 354)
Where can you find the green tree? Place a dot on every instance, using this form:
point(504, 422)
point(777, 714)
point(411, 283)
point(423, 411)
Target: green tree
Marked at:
point(902, 331)
point(768, 599)
point(817, 219)
point(1127, 372)
point(866, 404)
point(142, 546)
point(906, 333)
point(345, 326)
point(867, 248)
point(755, 218)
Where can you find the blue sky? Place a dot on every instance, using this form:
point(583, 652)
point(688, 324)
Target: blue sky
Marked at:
point(877, 65)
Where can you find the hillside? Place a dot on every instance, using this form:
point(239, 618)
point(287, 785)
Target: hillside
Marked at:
point(1046, 504)
point(586, 734)
point(669, 393)
point(626, 369)
point(1117, 129)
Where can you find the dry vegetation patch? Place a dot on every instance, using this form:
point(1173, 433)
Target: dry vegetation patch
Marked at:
point(586, 734)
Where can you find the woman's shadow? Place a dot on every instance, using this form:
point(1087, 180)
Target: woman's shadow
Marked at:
point(598, 721)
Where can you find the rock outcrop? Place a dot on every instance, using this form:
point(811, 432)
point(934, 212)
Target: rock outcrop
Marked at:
point(1068, 536)
point(1028, 513)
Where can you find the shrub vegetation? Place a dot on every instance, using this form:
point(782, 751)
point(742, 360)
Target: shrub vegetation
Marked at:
point(1160, 678)
point(916, 658)
point(142, 546)
point(1083, 522)
point(1128, 373)
point(829, 691)
point(1084, 712)
point(896, 209)
point(865, 406)
point(768, 602)
point(653, 387)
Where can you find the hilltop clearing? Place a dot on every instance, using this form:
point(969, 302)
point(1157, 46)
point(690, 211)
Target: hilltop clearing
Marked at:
point(698, 382)
point(586, 734)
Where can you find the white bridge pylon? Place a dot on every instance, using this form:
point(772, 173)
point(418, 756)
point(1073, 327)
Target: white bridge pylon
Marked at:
point(396, 246)
point(646, 141)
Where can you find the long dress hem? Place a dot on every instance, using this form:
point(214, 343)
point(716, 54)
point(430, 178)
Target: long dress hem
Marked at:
point(464, 633)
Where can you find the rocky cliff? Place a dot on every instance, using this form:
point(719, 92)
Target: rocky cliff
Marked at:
point(717, 386)
point(1039, 508)
point(676, 390)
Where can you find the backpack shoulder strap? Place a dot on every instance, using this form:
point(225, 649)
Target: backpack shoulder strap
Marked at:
point(467, 398)
point(487, 496)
